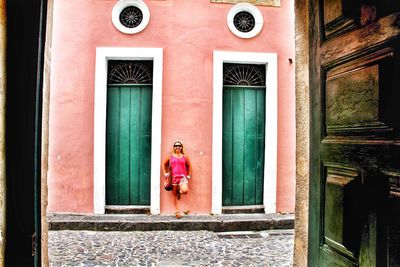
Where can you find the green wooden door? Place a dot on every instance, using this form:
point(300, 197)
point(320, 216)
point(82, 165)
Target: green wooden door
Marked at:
point(355, 133)
point(243, 145)
point(128, 144)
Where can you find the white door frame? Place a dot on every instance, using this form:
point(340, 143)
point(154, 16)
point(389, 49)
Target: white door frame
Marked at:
point(271, 126)
point(103, 54)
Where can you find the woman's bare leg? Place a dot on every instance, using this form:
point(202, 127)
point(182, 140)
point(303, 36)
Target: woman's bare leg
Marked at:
point(176, 193)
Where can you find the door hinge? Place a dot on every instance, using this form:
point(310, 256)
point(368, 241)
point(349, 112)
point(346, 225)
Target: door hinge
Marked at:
point(34, 244)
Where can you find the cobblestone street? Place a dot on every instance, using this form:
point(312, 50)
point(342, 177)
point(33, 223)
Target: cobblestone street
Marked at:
point(171, 248)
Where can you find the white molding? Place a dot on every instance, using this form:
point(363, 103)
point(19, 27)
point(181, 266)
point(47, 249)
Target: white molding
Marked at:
point(271, 125)
point(259, 21)
point(120, 5)
point(103, 54)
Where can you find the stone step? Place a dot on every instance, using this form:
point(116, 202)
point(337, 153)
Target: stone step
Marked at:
point(127, 209)
point(191, 222)
point(243, 209)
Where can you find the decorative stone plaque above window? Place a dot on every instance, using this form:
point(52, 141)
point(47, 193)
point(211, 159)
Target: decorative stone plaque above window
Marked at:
point(276, 3)
point(245, 20)
point(130, 16)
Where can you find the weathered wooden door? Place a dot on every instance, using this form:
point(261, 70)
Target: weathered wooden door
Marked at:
point(243, 135)
point(355, 130)
point(21, 131)
point(129, 106)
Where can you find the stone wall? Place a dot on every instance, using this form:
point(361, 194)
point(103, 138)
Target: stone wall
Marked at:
point(302, 132)
point(45, 131)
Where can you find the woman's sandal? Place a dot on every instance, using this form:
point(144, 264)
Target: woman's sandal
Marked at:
point(178, 214)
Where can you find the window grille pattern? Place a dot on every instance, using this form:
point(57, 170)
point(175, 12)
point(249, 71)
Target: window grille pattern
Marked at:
point(130, 72)
point(244, 74)
point(244, 21)
point(131, 17)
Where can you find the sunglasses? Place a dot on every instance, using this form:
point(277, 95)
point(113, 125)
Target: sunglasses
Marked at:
point(177, 145)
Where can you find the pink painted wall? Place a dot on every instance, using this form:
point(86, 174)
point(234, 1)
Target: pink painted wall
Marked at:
point(188, 31)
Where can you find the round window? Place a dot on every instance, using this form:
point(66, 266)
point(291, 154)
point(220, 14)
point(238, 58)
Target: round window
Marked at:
point(130, 16)
point(244, 20)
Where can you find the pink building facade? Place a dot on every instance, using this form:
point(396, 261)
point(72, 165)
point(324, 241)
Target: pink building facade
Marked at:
point(190, 47)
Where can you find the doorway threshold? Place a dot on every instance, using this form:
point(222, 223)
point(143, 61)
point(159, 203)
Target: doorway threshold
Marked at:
point(243, 209)
point(127, 209)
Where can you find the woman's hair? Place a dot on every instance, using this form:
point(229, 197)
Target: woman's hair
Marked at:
point(180, 142)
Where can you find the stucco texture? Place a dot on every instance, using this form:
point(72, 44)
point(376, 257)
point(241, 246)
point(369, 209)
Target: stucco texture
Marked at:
point(302, 134)
point(188, 31)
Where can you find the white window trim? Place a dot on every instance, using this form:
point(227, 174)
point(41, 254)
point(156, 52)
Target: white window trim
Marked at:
point(271, 126)
point(120, 5)
point(103, 54)
point(259, 21)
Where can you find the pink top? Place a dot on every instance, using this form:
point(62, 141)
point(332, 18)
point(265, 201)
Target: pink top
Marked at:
point(178, 166)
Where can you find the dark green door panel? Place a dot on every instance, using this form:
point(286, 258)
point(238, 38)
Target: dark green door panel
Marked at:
point(128, 144)
point(354, 134)
point(243, 145)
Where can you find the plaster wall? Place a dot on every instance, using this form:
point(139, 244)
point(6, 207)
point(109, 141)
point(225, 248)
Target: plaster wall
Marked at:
point(188, 31)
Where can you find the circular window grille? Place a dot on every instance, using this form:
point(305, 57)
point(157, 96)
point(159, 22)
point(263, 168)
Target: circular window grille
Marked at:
point(245, 20)
point(130, 16)
point(122, 72)
point(244, 74)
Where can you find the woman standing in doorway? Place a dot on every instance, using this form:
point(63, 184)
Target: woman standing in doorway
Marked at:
point(178, 165)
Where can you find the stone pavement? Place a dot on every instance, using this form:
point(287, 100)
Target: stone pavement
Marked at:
point(171, 248)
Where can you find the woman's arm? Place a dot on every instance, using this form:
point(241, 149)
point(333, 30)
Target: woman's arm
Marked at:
point(165, 166)
point(189, 166)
